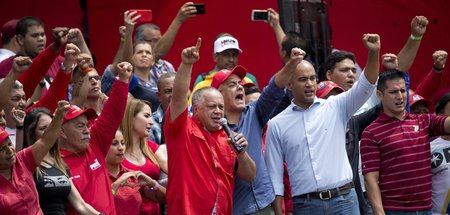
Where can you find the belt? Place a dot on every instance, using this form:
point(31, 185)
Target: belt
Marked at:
point(329, 194)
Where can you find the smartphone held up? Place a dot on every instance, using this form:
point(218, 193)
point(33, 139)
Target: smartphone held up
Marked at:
point(260, 15)
point(146, 15)
point(200, 8)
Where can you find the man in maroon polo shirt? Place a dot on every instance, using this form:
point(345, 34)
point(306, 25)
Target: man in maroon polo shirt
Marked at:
point(84, 148)
point(395, 152)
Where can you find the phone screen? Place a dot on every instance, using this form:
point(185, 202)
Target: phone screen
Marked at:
point(260, 15)
point(200, 8)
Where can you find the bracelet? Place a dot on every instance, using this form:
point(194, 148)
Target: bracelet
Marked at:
point(63, 68)
point(19, 127)
point(114, 192)
point(437, 69)
point(416, 38)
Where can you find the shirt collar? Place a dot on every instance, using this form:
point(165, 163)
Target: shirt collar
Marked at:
point(386, 118)
point(317, 101)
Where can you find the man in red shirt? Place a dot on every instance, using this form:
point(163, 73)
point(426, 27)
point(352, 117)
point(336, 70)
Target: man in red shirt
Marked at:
point(84, 149)
point(395, 151)
point(201, 161)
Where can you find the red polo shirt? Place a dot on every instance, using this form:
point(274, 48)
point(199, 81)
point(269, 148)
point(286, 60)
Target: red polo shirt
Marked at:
point(19, 196)
point(400, 151)
point(89, 171)
point(201, 168)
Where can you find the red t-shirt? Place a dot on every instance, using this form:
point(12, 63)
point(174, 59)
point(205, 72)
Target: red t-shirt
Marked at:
point(127, 200)
point(19, 196)
point(400, 151)
point(149, 168)
point(201, 168)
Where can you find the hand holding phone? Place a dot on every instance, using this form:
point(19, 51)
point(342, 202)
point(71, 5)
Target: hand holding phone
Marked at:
point(260, 15)
point(146, 15)
point(200, 8)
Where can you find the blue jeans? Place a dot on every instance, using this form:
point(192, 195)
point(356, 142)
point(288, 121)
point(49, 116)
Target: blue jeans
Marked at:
point(344, 204)
point(426, 212)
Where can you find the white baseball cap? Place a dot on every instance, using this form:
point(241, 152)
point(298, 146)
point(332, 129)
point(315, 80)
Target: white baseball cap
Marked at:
point(226, 42)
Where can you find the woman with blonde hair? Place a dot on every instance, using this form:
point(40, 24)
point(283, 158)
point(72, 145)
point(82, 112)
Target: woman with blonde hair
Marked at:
point(142, 154)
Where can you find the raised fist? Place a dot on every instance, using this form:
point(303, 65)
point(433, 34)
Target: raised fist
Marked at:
point(125, 69)
point(75, 36)
point(439, 60)
point(62, 108)
point(21, 64)
point(60, 35)
point(389, 61)
point(297, 55)
point(419, 26)
point(372, 42)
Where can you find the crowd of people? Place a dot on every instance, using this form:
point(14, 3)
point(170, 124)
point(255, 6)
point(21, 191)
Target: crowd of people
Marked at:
point(136, 139)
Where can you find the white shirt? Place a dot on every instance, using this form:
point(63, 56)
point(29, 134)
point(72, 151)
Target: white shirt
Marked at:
point(312, 142)
point(5, 53)
point(12, 135)
point(440, 166)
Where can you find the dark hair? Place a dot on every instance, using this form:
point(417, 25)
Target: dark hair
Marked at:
point(31, 122)
point(390, 74)
point(136, 43)
point(29, 125)
point(336, 57)
point(251, 89)
point(25, 22)
point(440, 107)
point(292, 40)
point(139, 33)
point(162, 77)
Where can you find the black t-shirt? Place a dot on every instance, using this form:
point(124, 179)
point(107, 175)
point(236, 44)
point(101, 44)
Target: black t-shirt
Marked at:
point(53, 188)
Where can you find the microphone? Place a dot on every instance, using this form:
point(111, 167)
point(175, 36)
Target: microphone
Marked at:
point(224, 123)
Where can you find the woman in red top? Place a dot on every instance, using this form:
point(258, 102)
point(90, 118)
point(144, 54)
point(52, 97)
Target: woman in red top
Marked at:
point(126, 185)
point(19, 195)
point(142, 154)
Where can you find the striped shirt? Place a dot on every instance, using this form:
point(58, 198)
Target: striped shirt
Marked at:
point(400, 151)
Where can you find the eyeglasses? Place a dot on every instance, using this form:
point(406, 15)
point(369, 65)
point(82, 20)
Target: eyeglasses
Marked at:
point(96, 78)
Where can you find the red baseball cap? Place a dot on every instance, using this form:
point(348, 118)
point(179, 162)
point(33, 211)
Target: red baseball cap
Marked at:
point(223, 74)
point(3, 135)
point(414, 98)
point(75, 111)
point(325, 87)
point(8, 30)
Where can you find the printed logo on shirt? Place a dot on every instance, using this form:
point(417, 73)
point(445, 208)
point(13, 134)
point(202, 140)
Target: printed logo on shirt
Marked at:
point(440, 158)
point(95, 165)
point(56, 181)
